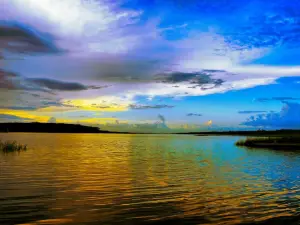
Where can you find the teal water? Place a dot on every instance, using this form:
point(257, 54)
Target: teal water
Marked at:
point(146, 179)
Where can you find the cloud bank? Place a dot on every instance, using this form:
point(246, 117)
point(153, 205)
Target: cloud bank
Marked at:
point(288, 117)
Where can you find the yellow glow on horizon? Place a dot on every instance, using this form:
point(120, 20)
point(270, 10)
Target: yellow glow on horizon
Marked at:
point(79, 105)
point(55, 109)
point(105, 103)
point(26, 114)
point(98, 120)
point(37, 116)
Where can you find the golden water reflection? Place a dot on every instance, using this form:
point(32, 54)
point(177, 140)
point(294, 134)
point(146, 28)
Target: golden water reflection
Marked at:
point(137, 179)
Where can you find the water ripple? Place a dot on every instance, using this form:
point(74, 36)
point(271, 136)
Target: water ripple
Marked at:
point(146, 179)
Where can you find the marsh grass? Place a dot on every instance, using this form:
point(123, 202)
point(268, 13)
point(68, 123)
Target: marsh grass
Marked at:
point(270, 142)
point(12, 146)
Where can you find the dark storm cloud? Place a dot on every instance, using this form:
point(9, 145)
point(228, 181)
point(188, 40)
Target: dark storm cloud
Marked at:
point(36, 95)
point(178, 77)
point(133, 106)
point(131, 69)
point(275, 99)
point(6, 79)
point(23, 39)
point(251, 111)
point(193, 114)
point(31, 106)
point(288, 117)
point(13, 118)
point(198, 79)
point(6, 74)
point(12, 81)
point(57, 85)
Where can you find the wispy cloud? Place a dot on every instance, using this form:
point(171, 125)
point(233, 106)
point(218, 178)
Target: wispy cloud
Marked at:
point(11, 118)
point(275, 99)
point(42, 104)
point(134, 106)
point(251, 112)
point(193, 114)
point(29, 108)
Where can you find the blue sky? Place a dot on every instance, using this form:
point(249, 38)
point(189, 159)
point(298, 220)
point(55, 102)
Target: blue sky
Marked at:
point(189, 65)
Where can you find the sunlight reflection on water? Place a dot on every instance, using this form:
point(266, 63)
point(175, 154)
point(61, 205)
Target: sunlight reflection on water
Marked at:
point(141, 179)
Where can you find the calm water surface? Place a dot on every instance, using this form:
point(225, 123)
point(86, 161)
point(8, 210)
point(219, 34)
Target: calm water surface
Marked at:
point(146, 179)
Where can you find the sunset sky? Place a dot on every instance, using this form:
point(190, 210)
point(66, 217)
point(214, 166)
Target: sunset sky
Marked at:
point(151, 65)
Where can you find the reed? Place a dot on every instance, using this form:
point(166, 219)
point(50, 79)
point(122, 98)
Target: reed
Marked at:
point(12, 146)
point(270, 142)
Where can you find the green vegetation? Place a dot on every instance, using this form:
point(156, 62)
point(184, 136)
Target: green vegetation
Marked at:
point(12, 146)
point(271, 142)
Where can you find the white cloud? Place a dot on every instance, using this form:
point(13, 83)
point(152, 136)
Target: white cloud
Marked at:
point(74, 17)
point(77, 25)
point(288, 117)
point(274, 71)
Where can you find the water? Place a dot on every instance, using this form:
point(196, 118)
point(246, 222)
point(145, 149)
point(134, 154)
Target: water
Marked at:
point(146, 179)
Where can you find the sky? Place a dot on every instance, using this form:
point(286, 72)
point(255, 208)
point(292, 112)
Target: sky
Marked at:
point(150, 65)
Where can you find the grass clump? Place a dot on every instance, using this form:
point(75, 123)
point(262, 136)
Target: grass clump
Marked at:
point(12, 146)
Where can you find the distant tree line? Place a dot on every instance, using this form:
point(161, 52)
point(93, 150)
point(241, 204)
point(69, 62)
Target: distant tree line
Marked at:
point(48, 128)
